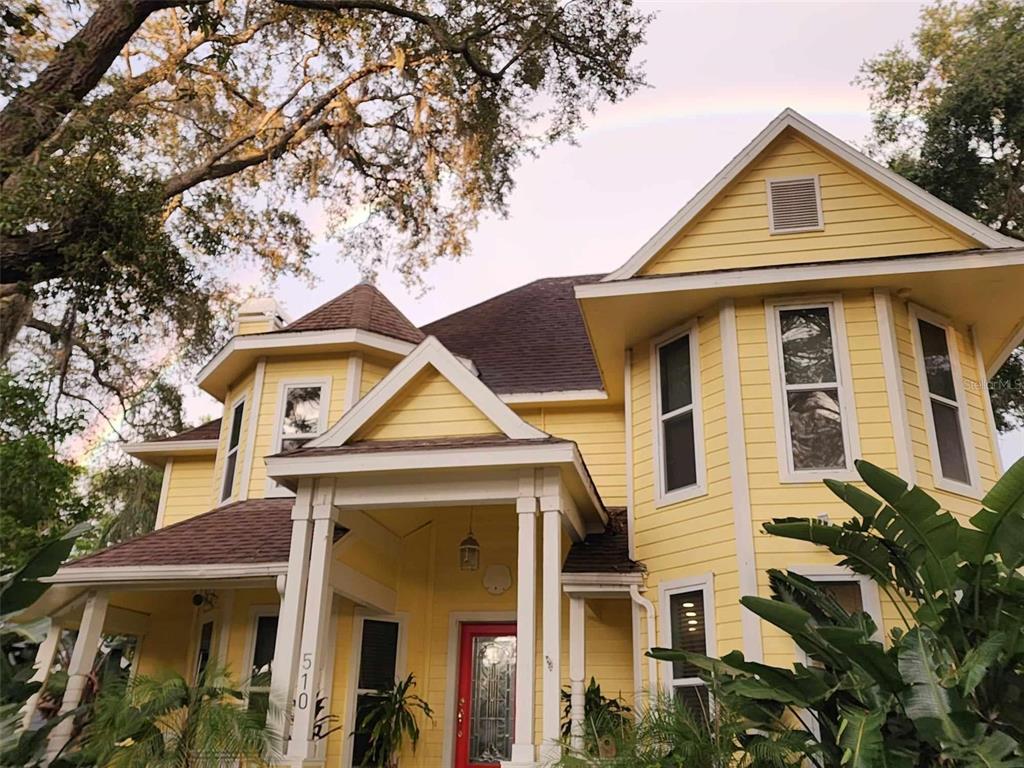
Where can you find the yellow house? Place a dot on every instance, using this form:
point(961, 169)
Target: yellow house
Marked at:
point(536, 489)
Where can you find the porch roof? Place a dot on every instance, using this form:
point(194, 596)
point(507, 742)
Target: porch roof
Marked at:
point(604, 552)
point(245, 532)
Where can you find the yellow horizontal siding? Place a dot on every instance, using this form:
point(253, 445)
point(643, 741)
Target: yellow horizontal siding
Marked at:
point(188, 489)
point(428, 406)
point(694, 537)
point(374, 369)
point(279, 372)
point(600, 433)
point(862, 219)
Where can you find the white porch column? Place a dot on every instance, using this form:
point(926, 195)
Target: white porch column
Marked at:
point(82, 658)
point(577, 670)
point(524, 748)
point(45, 655)
point(551, 701)
point(302, 747)
point(289, 620)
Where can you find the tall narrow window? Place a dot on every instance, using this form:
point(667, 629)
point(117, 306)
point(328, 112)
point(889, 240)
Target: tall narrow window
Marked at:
point(231, 460)
point(944, 403)
point(301, 416)
point(203, 649)
point(678, 420)
point(264, 638)
point(689, 615)
point(378, 662)
point(814, 395)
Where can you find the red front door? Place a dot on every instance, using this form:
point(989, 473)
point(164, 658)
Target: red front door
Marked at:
point(485, 710)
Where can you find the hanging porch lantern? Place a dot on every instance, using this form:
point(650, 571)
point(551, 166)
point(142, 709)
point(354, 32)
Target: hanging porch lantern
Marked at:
point(469, 549)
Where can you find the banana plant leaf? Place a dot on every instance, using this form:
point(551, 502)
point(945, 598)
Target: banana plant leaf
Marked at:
point(860, 737)
point(1001, 520)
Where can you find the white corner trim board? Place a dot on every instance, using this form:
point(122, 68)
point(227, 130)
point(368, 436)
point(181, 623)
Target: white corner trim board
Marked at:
point(894, 385)
point(430, 352)
point(790, 119)
point(743, 523)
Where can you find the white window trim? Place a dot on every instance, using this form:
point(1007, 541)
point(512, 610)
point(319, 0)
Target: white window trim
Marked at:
point(973, 488)
point(663, 497)
point(242, 400)
point(704, 583)
point(844, 374)
point(797, 230)
point(256, 612)
point(869, 595)
point(324, 382)
point(352, 692)
point(201, 619)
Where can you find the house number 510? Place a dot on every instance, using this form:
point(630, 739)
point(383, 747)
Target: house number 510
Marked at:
point(307, 664)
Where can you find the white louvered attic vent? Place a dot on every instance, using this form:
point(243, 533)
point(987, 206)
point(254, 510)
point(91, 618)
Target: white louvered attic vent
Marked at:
point(794, 205)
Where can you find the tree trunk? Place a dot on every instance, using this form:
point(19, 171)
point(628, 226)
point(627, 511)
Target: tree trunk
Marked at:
point(15, 310)
point(36, 111)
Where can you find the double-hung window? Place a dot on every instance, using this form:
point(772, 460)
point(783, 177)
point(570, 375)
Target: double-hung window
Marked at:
point(231, 459)
point(204, 649)
point(678, 437)
point(944, 402)
point(816, 420)
point(261, 657)
point(688, 624)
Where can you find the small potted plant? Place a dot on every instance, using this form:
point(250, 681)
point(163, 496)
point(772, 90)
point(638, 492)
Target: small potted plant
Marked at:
point(390, 720)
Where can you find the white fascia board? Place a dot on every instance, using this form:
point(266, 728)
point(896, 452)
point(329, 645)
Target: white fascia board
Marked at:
point(572, 582)
point(789, 118)
point(560, 396)
point(430, 352)
point(436, 458)
point(797, 273)
point(132, 574)
point(170, 447)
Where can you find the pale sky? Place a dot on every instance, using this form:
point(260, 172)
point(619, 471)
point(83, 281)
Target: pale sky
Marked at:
point(719, 72)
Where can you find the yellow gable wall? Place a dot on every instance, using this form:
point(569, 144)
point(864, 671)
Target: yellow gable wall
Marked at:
point(600, 433)
point(862, 219)
point(428, 406)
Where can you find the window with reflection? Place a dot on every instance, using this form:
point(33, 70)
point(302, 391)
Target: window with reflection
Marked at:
point(944, 402)
point(231, 458)
point(300, 416)
point(812, 389)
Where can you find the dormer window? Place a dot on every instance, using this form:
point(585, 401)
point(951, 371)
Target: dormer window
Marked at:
point(303, 414)
point(794, 205)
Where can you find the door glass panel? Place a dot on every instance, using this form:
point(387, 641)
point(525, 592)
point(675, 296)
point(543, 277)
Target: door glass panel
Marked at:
point(493, 685)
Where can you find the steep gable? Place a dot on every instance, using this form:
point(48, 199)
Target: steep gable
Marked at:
point(868, 211)
point(861, 219)
point(430, 394)
point(428, 406)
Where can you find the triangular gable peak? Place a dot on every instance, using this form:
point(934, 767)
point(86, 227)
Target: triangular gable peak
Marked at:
point(429, 394)
point(867, 211)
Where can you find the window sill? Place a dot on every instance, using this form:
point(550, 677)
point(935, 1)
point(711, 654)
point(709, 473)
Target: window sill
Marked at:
point(817, 476)
point(959, 489)
point(680, 495)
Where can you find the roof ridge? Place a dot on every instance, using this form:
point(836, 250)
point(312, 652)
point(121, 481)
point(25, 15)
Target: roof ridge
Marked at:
point(510, 291)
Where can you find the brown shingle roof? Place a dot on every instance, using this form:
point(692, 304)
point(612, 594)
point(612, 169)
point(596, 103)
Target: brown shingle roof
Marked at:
point(383, 446)
point(530, 339)
point(208, 431)
point(246, 532)
point(605, 552)
point(364, 308)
